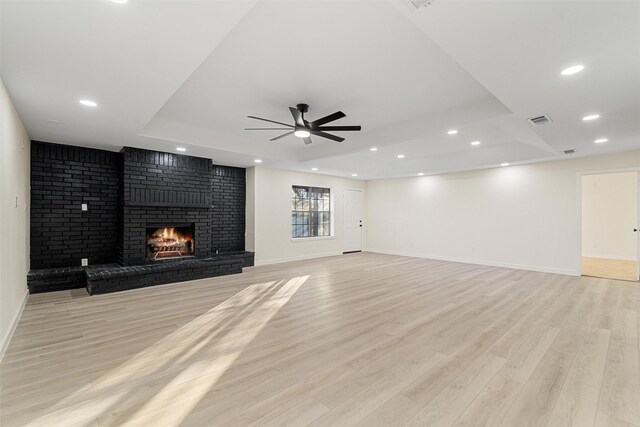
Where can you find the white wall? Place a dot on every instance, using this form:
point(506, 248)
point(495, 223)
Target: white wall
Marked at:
point(609, 215)
point(14, 217)
point(519, 216)
point(272, 215)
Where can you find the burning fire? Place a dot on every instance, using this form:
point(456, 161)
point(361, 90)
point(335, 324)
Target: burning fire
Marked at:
point(170, 234)
point(169, 241)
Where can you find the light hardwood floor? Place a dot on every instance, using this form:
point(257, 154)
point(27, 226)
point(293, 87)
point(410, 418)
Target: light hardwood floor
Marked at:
point(610, 268)
point(360, 339)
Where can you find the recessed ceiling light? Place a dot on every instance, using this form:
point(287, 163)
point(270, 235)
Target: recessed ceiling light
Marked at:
point(314, 169)
point(120, 1)
point(354, 174)
point(572, 70)
point(452, 132)
point(181, 149)
point(591, 117)
point(420, 174)
point(373, 149)
point(601, 141)
point(88, 103)
point(400, 156)
point(475, 143)
point(504, 164)
point(53, 122)
point(258, 160)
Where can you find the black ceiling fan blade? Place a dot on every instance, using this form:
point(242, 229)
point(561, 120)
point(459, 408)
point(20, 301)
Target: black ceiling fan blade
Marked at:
point(339, 128)
point(327, 135)
point(331, 117)
point(281, 136)
point(297, 116)
point(270, 121)
point(266, 129)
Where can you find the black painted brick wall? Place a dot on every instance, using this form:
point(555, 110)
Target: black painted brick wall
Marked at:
point(228, 219)
point(62, 179)
point(152, 178)
point(127, 192)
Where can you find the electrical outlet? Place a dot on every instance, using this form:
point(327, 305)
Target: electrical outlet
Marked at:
point(85, 207)
point(84, 262)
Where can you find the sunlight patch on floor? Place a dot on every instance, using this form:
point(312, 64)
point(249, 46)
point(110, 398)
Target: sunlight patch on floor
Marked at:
point(216, 339)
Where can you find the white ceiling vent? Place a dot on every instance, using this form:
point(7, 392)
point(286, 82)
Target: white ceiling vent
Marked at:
point(540, 120)
point(421, 3)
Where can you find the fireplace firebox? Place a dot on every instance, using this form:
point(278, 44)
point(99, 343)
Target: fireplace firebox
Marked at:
point(170, 242)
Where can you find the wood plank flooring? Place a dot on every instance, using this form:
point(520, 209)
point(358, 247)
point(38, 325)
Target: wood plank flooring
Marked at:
point(359, 339)
point(610, 268)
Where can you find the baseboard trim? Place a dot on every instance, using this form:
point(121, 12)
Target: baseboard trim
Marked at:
point(296, 258)
point(14, 325)
point(541, 269)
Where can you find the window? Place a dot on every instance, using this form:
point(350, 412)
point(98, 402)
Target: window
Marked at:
point(310, 212)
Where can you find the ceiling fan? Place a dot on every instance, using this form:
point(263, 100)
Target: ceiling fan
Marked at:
point(304, 129)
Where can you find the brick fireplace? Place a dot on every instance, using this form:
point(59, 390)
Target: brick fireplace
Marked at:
point(111, 210)
point(164, 189)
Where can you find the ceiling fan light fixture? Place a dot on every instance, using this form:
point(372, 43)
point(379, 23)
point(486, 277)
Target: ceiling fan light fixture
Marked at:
point(302, 133)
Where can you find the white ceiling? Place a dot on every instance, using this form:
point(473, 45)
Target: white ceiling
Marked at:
point(187, 73)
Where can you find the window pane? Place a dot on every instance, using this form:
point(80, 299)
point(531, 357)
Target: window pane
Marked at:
point(310, 209)
point(314, 224)
point(300, 220)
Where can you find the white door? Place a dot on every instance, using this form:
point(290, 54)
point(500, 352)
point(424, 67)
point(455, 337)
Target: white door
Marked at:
point(636, 229)
point(352, 220)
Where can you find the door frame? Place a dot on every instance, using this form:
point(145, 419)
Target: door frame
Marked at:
point(579, 210)
point(344, 218)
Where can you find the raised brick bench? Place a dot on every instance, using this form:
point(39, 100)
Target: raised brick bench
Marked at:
point(113, 279)
point(100, 279)
point(60, 279)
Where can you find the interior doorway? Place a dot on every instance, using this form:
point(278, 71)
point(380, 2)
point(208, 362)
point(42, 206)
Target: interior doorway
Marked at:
point(352, 221)
point(610, 245)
